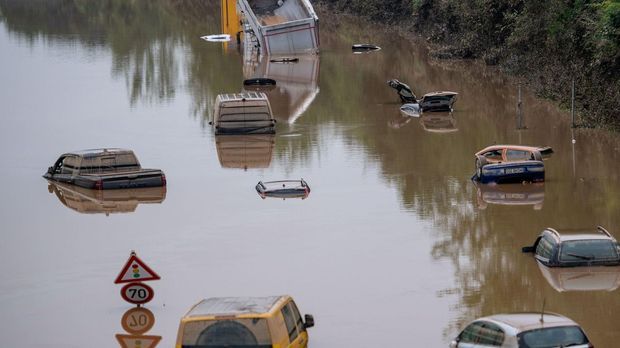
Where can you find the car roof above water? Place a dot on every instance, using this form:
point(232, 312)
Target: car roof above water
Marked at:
point(531, 320)
point(99, 152)
point(234, 306)
point(565, 235)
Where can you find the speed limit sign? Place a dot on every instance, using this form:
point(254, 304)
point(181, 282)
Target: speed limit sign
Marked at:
point(137, 293)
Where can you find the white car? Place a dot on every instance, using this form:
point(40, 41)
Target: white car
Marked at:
point(522, 330)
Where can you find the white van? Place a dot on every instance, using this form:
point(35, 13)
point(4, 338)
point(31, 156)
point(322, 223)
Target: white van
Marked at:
point(243, 113)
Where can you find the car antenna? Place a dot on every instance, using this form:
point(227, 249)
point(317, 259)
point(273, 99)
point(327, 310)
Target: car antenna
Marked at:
point(542, 312)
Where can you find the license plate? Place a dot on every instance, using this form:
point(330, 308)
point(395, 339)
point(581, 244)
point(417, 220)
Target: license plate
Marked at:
point(515, 170)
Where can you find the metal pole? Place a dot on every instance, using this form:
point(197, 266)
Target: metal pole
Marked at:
point(572, 104)
point(519, 111)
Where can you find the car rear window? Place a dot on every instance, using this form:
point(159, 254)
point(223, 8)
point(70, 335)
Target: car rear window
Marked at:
point(562, 336)
point(239, 333)
point(588, 250)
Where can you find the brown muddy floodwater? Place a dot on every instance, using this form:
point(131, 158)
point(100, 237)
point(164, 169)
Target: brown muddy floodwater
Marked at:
point(394, 247)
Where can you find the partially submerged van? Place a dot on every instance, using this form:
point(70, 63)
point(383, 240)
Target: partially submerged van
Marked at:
point(243, 113)
point(257, 322)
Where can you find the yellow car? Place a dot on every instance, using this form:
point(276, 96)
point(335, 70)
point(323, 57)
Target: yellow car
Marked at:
point(244, 322)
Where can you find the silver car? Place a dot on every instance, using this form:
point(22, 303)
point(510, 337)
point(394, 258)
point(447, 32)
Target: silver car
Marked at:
point(522, 330)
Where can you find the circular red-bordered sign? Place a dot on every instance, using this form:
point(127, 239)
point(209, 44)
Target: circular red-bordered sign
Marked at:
point(138, 320)
point(137, 293)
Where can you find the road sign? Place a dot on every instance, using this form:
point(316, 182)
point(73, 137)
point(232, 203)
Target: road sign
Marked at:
point(138, 320)
point(137, 293)
point(135, 270)
point(137, 341)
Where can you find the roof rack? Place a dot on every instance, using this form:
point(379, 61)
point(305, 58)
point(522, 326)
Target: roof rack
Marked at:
point(603, 230)
point(554, 231)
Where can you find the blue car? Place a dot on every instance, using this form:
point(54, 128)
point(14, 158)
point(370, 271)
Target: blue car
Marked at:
point(511, 164)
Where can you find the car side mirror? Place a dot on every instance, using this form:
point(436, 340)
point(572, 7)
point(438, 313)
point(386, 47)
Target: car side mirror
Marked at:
point(309, 321)
point(454, 344)
point(528, 249)
point(50, 170)
point(210, 123)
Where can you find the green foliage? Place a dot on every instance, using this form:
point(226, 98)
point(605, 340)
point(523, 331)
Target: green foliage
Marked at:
point(548, 42)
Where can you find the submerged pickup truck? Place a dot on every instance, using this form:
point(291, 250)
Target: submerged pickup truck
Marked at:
point(104, 169)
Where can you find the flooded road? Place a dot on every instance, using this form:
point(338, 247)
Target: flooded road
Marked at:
point(394, 246)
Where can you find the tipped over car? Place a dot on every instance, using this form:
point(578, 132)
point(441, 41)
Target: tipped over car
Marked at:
point(440, 101)
point(102, 169)
point(572, 248)
point(511, 164)
point(283, 189)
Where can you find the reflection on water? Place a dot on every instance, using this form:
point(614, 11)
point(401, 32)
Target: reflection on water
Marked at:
point(510, 194)
point(107, 202)
point(297, 82)
point(136, 322)
point(245, 151)
point(600, 278)
point(438, 122)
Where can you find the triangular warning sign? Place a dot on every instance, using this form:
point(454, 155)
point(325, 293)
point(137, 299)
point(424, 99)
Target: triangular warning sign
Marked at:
point(135, 270)
point(137, 341)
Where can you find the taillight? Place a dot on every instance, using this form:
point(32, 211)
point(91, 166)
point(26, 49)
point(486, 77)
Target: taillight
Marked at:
point(99, 185)
point(163, 180)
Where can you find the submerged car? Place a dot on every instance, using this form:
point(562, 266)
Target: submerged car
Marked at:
point(107, 168)
point(511, 164)
point(430, 102)
point(572, 248)
point(257, 322)
point(283, 189)
point(522, 330)
point(243, 113)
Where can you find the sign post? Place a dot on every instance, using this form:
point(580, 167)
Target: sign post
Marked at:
point(134, 273)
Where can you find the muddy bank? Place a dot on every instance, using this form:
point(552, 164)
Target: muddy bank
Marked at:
point(547, 44)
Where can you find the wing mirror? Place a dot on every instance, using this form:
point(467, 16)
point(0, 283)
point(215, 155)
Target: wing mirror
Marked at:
point(50, 170)
point(528, 249)
point(309, 321)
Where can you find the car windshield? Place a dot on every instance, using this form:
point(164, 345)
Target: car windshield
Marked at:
point(588, 250)
point(563, 336)
point(230, 333)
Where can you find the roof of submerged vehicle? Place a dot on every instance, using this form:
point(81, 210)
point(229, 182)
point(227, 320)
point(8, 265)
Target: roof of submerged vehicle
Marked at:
point(512, 147)
point(249, 96)
point(531, 320)
point(98, 152)
point(581, 234)
point(235, 306)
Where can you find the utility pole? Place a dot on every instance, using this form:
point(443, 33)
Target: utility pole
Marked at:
point(520, 111)
point(572, 104)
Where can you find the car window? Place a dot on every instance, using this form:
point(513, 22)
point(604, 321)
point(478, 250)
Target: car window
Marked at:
point(482, 333)
point(518, 155)
point(493, 155)
point(242, 332)
point(545, 247)
point(298, 321)
point(68, 164)
point(289, 320)
point(563, 336)
point(588, 250)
